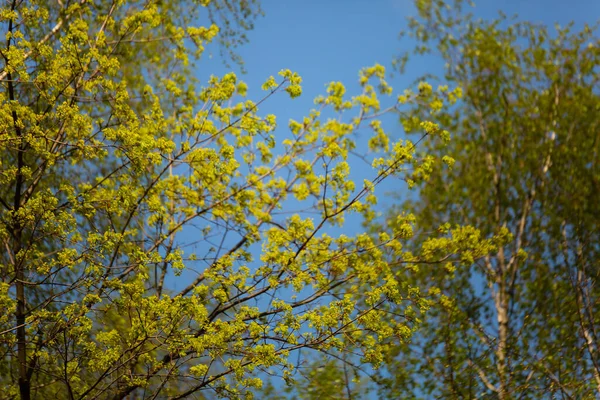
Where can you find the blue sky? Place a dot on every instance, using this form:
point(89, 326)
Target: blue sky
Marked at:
point(326, 40)
point(331, 40)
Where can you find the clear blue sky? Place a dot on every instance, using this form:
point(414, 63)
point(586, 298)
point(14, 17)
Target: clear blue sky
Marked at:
point(326, 40)
point(331, 40)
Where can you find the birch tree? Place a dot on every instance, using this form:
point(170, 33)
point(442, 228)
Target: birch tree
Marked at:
point(523, 322)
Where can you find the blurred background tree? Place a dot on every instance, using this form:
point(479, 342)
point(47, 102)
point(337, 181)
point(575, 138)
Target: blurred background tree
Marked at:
point(521, 323)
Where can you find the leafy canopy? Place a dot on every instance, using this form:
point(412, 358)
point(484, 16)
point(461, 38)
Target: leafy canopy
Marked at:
point(152, 247)
point(521, 321)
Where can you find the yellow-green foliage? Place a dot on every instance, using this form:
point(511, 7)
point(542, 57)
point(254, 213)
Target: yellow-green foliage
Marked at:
point(147, 221)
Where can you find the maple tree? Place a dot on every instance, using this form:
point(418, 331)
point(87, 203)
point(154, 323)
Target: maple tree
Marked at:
point(121, 174)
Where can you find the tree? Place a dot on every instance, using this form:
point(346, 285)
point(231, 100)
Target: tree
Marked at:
point(322, 378)
point(520, 323)
point(120, 175)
